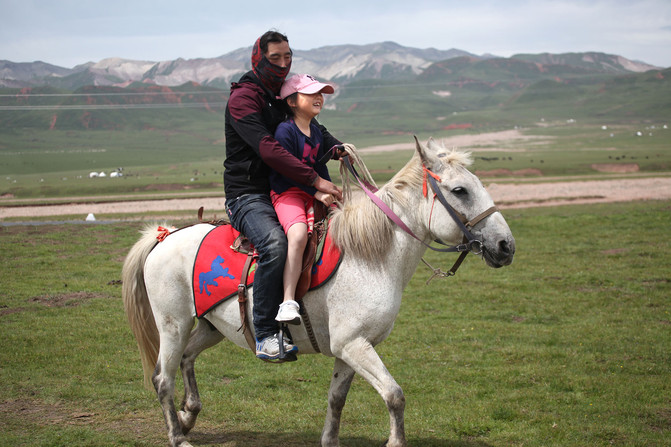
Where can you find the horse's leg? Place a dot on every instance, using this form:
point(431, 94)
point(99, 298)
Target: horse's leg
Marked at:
point(204, 336)
point(174, 337)
point(365, 361)
point(340, 384)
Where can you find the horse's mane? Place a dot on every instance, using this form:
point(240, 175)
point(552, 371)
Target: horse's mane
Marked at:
point(361, 229)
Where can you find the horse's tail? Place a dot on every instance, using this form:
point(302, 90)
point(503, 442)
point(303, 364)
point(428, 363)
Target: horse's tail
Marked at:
point(136, 302)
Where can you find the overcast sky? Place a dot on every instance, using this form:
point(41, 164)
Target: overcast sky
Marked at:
point(72, 32)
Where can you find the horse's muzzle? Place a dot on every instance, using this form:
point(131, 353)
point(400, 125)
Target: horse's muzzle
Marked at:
point(499, 254)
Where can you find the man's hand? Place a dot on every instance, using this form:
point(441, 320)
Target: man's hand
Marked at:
point(327, 187)
point(340, 149)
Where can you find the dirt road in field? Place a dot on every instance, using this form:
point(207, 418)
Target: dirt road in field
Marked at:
point(525, 192)
point(508, 195)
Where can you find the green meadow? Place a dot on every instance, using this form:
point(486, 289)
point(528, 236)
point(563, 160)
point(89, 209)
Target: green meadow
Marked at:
point(569, 346)
point(43, 164)
point(585, 119)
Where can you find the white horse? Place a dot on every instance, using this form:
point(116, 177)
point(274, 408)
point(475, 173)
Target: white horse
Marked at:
point(350, 315)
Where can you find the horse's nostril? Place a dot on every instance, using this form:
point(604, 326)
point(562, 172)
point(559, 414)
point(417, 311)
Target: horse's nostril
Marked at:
point(504, 247)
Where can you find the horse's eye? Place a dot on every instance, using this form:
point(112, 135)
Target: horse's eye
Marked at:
point(459, 191)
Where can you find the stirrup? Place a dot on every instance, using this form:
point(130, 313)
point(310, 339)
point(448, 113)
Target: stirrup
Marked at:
point(284, 356)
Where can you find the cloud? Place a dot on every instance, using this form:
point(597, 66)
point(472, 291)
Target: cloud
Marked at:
point(69, 32)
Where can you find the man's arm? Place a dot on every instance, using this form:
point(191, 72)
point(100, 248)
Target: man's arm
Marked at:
point(245, 110)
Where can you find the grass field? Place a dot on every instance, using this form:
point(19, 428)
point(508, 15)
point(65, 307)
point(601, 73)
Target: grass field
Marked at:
point(569, 346)
point(51, 164)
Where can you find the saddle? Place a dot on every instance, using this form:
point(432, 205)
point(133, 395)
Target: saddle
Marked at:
point(227, 265)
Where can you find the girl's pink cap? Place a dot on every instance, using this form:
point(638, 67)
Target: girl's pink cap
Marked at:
point(303, 83)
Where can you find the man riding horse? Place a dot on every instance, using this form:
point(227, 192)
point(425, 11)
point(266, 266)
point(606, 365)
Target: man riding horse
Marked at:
point(253, 113)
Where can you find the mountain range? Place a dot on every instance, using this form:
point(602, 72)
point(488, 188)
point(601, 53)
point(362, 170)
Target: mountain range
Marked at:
point(381, 89)
point(341, 64)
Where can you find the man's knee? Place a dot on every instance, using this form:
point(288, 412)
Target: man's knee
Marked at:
point(275, 247)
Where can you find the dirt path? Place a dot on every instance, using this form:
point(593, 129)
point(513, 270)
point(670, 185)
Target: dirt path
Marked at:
point(506, 195)
point(484, 141)
point(525, 193)
point(579, 192)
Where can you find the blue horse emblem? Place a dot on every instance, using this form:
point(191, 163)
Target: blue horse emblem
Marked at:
point(216, 270)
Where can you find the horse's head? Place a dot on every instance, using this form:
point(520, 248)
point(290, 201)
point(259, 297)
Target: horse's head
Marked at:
point(464, 193)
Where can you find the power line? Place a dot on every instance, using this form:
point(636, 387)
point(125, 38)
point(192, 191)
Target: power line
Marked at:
point(194, 105)
point(209, 92)
point(68, 95)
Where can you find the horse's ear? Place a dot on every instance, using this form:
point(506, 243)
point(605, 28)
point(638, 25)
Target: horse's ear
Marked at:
point(428, 154)
point(421, 149)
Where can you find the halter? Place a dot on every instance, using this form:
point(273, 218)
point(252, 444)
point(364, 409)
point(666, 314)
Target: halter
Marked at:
point(470, 243)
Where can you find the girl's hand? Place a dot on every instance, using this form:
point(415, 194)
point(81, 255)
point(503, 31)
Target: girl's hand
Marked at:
point(326, 199)
point(326, 187)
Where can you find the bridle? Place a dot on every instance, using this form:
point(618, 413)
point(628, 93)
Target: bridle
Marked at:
point(470, 243)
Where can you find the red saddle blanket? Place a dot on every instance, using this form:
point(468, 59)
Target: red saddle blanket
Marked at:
point(217, 268)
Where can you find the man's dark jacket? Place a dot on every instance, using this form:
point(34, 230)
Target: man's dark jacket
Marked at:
point(252, 115)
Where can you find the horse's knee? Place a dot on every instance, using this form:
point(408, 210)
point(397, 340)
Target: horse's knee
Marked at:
point(395, 399)
point(164, 387)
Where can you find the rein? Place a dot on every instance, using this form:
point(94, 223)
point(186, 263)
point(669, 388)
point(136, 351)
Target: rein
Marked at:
point(470, 243)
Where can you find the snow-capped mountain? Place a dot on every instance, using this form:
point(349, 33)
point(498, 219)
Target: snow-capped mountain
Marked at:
point(340, 63)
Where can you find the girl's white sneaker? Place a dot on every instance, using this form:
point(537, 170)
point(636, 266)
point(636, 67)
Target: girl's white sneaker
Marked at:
point(288, 313)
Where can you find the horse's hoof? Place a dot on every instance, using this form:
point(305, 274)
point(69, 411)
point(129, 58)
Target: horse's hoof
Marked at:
point(186, 421)
point(181, 443)
point(386, 443)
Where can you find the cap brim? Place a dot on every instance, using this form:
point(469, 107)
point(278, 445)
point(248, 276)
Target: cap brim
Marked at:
point(316, 88)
